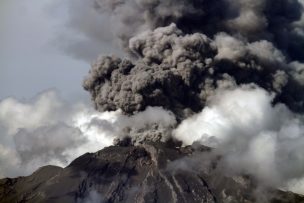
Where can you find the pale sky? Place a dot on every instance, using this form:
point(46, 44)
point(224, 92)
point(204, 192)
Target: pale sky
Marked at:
point(30, 58)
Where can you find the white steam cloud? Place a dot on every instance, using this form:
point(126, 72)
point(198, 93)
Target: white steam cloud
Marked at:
point(48, 130)
point(93, 197)
point(253, 136)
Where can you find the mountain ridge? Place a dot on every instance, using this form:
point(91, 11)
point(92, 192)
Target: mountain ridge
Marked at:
point(143, 173)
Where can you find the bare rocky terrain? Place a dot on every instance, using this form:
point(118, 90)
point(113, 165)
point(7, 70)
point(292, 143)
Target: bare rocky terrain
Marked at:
point(151, 172)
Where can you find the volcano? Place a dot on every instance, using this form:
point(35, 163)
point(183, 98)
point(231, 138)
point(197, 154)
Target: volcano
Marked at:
point(149, 172)
point(225, 78)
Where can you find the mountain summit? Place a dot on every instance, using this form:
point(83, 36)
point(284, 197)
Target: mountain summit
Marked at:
point(151, 172)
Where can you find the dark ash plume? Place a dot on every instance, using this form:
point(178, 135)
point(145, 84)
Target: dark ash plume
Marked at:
point(180, 71)
point(231, 71)
point(272, 20)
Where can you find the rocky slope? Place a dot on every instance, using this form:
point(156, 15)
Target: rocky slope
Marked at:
point(152, 172)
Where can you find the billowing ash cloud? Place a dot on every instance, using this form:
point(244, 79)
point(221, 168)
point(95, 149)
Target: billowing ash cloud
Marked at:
point(48, 130)
point(225, 73)
point(231, 71)
point(180, 71)
point(278, 21)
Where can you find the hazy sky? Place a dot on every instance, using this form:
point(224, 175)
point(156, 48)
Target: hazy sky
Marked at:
point(30, 58)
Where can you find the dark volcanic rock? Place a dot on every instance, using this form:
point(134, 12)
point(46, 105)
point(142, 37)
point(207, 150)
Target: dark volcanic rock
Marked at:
point(134, 174)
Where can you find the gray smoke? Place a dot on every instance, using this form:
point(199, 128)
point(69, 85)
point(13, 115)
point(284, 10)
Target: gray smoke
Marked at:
point(231, 71)
point(180, 71)
point(278, 21)
point(98, 22)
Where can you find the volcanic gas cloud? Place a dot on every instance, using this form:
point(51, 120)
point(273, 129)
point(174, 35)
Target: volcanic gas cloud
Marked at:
point(231, 72)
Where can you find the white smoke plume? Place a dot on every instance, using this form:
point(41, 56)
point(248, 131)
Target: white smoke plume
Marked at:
point(48, 130)
point(253, 136)
point(93, 197)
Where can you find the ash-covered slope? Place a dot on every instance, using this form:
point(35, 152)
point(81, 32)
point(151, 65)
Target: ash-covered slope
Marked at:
point(146, 173)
